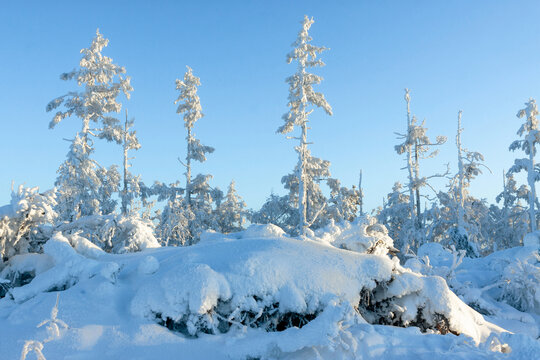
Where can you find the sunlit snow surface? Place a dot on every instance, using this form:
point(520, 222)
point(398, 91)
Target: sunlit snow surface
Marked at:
point(112, 302)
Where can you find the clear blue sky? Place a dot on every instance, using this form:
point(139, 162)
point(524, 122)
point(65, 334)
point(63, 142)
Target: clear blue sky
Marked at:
point(479, 56)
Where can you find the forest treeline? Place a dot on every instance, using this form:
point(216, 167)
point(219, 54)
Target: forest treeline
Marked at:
point(115, 209)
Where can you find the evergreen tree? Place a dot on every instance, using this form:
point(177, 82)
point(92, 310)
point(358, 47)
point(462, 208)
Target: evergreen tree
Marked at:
point(232, 211)
point(195, 210)
point(344, 203)
point(394, 215)
point(469, 166)
point(131, 184)
point(417, 146)
point(531, 137)
point(301, 97)
point(84, 186)
point(190, 106)
point(510, 223)
point(277, 210)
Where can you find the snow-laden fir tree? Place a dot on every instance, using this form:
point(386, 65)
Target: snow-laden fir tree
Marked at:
point(231, 212)
point(277, 210)
point(469, 166)
point(529, 130)
point(190, 107)
point(131, 183)
point(416, 146)
point(315, 202)
point(344, 203)
point(84, 186)
point(195, 210)
point(395, 215)
point(301, 98)
point(511, 221)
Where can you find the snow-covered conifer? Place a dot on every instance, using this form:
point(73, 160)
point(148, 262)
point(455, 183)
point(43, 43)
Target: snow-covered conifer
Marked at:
point(231, 212)
point(80, 178)
point(417, 146)
point(190, 106)
point(131, 184)
point(173, 228)
point(344, 203)
point(195, 212)
point(529, 130)
point(395, 215)
point(511, 221)
point(469, 166)
point(301, 97)
point(277, 210)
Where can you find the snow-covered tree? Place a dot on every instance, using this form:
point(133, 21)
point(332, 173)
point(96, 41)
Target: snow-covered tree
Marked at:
point(361, 194)
point(131, 184)
point(469, 166)
point(277, 210)
point(344, 203)
point(173, 228)
point(190, 107)
point(301, 98)
point(416, 146)
point(82, 183)
point(529, 130)
point(231, 212)
point(195, 211)
point(26, 223)
point(395, 215)
point(315, 203)
point(510, 222)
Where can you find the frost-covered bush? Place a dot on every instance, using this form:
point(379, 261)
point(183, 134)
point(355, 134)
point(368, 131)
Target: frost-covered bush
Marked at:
point(25, 224)
point(511, 276)
point(521, 287)
point(114, 233)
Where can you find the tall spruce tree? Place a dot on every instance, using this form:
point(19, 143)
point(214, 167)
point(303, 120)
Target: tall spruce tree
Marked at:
point(529, 130)
point(85, 187)
point(302, 98)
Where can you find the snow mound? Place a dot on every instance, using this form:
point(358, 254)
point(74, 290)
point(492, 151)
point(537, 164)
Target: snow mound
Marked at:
point(363, 235)
point(148, 266)
point(274, 298)
point(261, 231)
point(207, 288)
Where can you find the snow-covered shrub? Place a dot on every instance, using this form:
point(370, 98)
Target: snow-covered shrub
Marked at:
point(511, 276)
point(114, 233)
point(521, 287)
point(25, 223)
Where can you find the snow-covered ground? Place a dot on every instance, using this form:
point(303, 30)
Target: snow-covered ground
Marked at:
point(262, 294)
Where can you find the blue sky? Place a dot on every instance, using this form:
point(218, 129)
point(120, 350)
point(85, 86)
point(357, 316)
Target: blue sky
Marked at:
point(482, 57)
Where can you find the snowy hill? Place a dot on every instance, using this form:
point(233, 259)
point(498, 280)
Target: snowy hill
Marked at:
point(253, 294)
